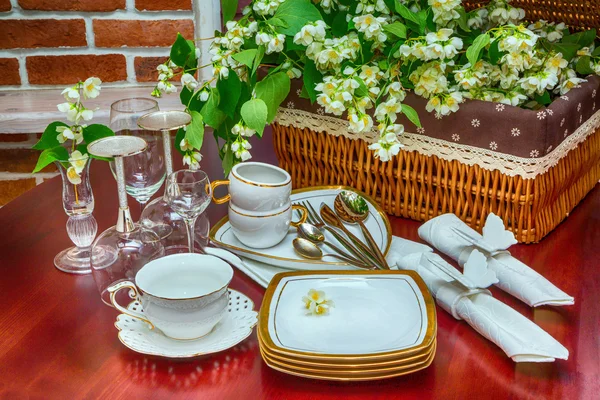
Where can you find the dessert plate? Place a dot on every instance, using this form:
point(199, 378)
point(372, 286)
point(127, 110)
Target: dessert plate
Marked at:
point(232, 329)
point(283, 255)
point(393, 307)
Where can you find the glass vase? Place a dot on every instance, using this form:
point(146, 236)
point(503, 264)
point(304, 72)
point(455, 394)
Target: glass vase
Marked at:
point(78, 203)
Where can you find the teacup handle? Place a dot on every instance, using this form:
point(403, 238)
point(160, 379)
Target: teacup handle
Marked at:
point(216, 184)
point(304, 212)
point(133, 293)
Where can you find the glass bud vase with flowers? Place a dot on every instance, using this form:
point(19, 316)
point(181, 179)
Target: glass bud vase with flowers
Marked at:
point(66, 146)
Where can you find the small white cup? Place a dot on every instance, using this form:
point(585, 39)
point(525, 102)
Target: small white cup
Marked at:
point(264, 229)
point(255, 186)
point(183, 295)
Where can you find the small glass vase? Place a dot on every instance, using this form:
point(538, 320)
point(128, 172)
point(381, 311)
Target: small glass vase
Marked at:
point(78, 202)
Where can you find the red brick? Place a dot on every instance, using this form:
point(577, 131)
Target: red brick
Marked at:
point(10, 190)
point(13, 137)
point(158, 5)
point(31, 33)
point(72, 5)
point(135, 33)
point(5, 5)
point(58, 70)
point(21, 160)
point(10, 71)
point(145, 68)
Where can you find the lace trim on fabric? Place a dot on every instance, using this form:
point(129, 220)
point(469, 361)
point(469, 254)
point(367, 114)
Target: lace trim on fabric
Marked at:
point(507, 164)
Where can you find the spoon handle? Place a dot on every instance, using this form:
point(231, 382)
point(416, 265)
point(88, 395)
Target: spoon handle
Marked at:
point(349, 261)
point(361, 247)
point(373, 245)
point(359, 255)
point(342, 252)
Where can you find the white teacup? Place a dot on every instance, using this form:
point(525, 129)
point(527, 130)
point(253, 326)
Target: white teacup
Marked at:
point(255, 186)
point(183, 295)
point(262, 229)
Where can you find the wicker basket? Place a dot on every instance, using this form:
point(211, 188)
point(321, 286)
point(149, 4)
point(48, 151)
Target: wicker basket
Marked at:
point(420, 184)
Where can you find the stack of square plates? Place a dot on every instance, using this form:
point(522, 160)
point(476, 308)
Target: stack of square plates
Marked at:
point(382, 325)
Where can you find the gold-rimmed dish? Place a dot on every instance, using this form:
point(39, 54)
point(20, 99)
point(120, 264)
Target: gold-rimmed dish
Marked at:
point(283, 255)
point(395, 302)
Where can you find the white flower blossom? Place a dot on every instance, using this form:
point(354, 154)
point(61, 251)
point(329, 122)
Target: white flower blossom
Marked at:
point(189, 81)
point(91, 87)
point(192, 160)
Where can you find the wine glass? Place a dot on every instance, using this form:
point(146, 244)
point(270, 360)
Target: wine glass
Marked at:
point(188, 193)
point(144, 172)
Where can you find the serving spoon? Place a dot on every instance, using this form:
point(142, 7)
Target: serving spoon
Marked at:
point(352, 208)
point(307, 249)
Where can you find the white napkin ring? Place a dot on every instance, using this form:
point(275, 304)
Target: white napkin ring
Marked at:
point(449, 294)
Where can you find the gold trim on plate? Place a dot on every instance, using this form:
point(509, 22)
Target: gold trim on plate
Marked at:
point(430, 333)
point(213, 232)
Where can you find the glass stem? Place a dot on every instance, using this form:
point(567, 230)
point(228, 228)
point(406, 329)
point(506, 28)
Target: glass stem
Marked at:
point(189, 224)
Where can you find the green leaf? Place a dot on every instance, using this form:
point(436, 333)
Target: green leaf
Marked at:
point(462, 20)
point(397, 29)
point(48, 156)
point(229, 93)
point(411, 114)
point(227, 160)
point(180, 51)
point(273, 89)
point(211, 113)
point(474, 51)
point(277, 22)
point(413, 21)
point(583, 39)
point(245, 57)
point(296, 14)
point(254, 113)
point(361, 90)
point(568, 50)
point(178, 138)
point(596, 52)
point(48, 139)
point(260, 53)
point(311, 78)
point(229, 9)
point(583, 66)
point(544, 98)
point(95, 132)
point(495, 53)
point(339, 27)
point(195, 130)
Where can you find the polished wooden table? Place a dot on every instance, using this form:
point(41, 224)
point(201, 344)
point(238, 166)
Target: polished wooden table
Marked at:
point(57, 339)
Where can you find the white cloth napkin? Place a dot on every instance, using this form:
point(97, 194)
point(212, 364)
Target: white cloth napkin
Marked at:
point(514, 277)
point(517, 336)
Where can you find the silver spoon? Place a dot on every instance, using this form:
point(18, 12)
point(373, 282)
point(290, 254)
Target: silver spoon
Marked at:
point(307, 249)
point(352, 208)
point(315, 235)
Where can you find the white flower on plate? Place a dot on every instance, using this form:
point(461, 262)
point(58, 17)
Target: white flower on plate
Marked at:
point(541, 115)
point(192, 160)
point(515, 132)
point(500, 107)
point(534, 153)
point(475, 123)
point(91, 87)
point(565, 98)
point(78, 161)
point(579, 107)
point(71, 94)
point(317, 303)
point(189, 81)
point(73, 176)
point(456, 137)
point(493, 145)
point(421, 130)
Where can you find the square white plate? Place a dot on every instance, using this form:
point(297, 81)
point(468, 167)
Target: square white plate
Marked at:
point(283, 254)
point(375, 313)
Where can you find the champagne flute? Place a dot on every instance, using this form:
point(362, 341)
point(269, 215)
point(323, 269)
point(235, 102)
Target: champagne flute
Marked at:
point(144, 172)
point(188, 193)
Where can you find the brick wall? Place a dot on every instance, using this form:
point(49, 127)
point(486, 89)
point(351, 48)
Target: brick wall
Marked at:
point(53, 43)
